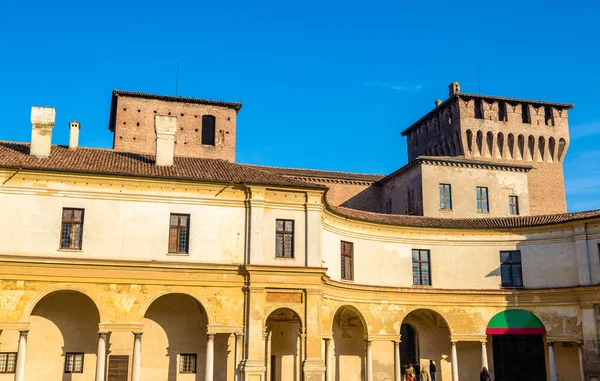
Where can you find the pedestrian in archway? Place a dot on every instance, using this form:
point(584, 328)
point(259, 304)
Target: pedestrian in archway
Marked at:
point(484, 375)
point(424, 374)
point(410, 373)
point(432, 370)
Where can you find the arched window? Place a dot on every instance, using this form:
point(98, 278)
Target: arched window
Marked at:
point(208, 130)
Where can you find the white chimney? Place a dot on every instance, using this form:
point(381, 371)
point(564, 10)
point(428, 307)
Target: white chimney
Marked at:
point(42, 122)
point(165, 127)
point(74, 127)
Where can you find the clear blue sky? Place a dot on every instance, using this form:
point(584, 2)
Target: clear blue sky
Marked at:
point(325, 84)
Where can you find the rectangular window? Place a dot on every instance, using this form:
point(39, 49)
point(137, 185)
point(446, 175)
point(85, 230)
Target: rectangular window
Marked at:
point(179, 233)
point(420, 267)
point(8, 361)
point(548, 116)
point(284, 240)
point(502, 111)
point(510, 268)
point(525, 113)
point(72, 229)
point(513, 203)
point(347, 260)
point(118, 368)
point(208, 130)
point(74, 362)
point(445, 197)
point(479, 108)
point(187, 363)
point(482, 200)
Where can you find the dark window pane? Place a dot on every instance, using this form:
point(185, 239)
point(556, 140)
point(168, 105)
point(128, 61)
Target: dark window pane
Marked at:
point(505, 256)
point(516, 256)
point(516, 276)
point(208, 130)
point(415, 255)
point(506, 275)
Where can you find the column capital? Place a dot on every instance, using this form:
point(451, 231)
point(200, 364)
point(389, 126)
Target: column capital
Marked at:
point(327, 339)
point(24, 332)
point(210, 335)
point(550, 343)
point(396, 341)
point(238, 334)
point(453, 342)
point(103, 334)
point(137, 334)
point(483, 342)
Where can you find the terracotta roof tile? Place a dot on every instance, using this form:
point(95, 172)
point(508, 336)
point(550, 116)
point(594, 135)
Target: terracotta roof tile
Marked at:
point(104, 161)
point(314, 173)
point(136, 94)
point(473, 223)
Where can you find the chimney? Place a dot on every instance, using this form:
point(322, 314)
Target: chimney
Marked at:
point(74, 127)
point(42, 122)
point(165, 127)
point(454, 88)
point(438, 103)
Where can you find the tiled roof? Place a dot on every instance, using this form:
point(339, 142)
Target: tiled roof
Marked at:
point(109, 162)
point(171, 98)
point(458, 223)
point(319, 174)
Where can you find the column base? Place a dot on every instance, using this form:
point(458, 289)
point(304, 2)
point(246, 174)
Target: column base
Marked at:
point(253, 370)
point(314, 369)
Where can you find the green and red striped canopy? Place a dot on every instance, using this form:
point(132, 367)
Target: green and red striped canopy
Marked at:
point(515, 322)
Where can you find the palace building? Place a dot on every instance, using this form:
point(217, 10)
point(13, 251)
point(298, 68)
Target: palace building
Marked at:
point(162, 259)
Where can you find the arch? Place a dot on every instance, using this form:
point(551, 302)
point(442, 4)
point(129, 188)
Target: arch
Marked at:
point(500, 145)
point(430, 310)
point(562, 145)
point(199, 298)
point(541, 148)
point(294, 309)
point(469, 134)
point(57, 288)
point(479, 143)
point(531, 148)
point(510, 146)
point(283, 345)
point(356, 312)
point(489, 140)
point(515, 322)
point(521, 147)
point(552, 148)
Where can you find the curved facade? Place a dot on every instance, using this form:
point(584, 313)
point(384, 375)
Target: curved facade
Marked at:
point(115, 269)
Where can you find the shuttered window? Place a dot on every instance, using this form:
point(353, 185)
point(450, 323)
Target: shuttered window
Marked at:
point(347, 251)
point(71, 229)
point(284, 239)
point(510, 268)
point(179, 233)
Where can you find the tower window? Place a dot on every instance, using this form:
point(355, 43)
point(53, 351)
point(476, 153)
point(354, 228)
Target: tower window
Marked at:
point(479, 108)
point(525, 113)
point(502, 111)
point(513, 203)
point(208, 130)
point(548, 116)
point(482, 200)
point(445, 197)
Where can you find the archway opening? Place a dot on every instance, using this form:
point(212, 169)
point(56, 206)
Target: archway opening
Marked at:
point(175, 340)
point(518, 346)
point(63, 338)
point(349, 345)
point(284, 346)
point(425, 339)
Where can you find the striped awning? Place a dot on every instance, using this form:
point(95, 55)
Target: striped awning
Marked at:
point(515, 322)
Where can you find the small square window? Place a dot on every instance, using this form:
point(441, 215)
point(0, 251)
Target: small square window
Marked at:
point(74, 362)
point(8, 361)
point(284, 239)
point(187, 363)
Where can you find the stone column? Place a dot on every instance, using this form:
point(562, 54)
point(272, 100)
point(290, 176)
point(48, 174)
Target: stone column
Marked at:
point(369, 361)
point(267, 336)
point(551, 360)
point(137, 356)
point(455, 361)
point(253, 362)
point(210, 357)
point(300, 350)
point(397, 372)
point(328, 364)
point(312, 353)
point(484, 359)
point(239, 337)
point(580, 352)
point(313, 230)
point(22, 352)
point(101, 357)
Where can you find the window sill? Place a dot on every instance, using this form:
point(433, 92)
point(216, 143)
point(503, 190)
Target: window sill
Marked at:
point(478, 212)
point(70, 250)
point(347, 280)
point(178, 254)
point(422, 285)
point(512, 287)
point(446, 210)
point(285, 258)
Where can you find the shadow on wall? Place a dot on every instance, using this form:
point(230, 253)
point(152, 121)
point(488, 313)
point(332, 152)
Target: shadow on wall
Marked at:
point(68, 318)
point(349, 345)
point(367, 200)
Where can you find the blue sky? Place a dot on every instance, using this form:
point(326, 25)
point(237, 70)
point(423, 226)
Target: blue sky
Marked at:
point(325, 84)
